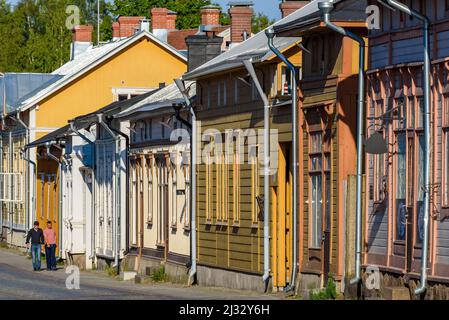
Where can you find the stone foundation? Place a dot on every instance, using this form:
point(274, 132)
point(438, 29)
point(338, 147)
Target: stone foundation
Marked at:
point(435, 290)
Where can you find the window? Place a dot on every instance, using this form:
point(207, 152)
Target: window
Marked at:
point(122, 94)
point(420, 123)
point(255, 187)
point(236, 181)
point(401, 208)
point(174, 178)
point(186, 171)
point(221, 93)
point(320, 185)
point(209, 190)
point(445, 103)
point(149, 170)
point(402, 113)
point(421, 191)
point(379, 160)
point(222, 189)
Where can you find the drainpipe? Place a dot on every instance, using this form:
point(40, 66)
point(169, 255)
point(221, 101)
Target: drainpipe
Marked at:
point(266, 182)
point(94, 229)
point(426, 31)
point(270, 35)
point(61, 161)
point(117, 191)
point(193, 269)
point(11, 187)
point(326, 8)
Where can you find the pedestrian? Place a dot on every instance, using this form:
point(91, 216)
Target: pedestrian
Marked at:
point(50, 246)
point(36, 236)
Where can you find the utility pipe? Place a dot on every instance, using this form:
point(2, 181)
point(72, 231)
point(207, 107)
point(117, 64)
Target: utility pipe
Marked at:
point(93, 209)
point(116, 137)
point(193, 269)
point(426, 76)
point(326, 8)
point(61, 161)
point(270, 35)
point(266, 182)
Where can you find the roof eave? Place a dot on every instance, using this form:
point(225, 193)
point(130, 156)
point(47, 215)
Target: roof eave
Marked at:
point(91, 66)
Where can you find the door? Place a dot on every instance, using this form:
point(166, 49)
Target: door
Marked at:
point(282, 219)
point(163, 202)
point(319, 200)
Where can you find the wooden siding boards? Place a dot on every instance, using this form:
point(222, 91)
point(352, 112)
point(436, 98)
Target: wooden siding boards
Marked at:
point(222, 244)
point(406, 47)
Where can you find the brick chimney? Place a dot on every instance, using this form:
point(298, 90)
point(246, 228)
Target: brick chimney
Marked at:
point(83, 33)
point(162, 21)
point(288, 7)
point(81, 40)
point(128, 26)
point(210, 16)
point(241, 13)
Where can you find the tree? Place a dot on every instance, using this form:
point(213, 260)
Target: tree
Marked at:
point(261, 22)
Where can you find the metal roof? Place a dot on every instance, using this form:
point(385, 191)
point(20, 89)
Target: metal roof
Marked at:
point(18, 87)
point(55, 136)
point(161, 99)
point(347, 11)
point(89, 60)
point(255, 47)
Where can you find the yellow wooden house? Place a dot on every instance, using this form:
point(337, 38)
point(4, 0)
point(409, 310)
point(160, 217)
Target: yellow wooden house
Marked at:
point(95, 77)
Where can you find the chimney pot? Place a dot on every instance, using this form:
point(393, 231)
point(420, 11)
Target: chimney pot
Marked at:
point(82, 33)
point(128, 26)
point(210, 16)
point(162, 18)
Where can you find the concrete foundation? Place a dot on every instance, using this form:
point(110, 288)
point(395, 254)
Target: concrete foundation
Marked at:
point(175, 272)
point(214, 277)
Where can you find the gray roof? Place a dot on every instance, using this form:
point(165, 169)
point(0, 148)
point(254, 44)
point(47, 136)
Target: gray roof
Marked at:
point(164, 98)
point(20, 86)
point(348, 11)
point(255, 48)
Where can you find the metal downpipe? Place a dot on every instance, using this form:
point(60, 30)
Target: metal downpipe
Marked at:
point(266, 179)
point(426, 76)
point(193, 256)
point(117, 193)
point(326, 8)
point(270, 35)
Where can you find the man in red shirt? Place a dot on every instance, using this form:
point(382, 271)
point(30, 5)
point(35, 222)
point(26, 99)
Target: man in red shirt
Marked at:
point(50, 246)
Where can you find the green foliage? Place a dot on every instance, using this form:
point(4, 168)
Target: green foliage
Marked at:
point(261, 22)
point(328, 293)
point(159, 275)
point(34, 33)
point(111, 271)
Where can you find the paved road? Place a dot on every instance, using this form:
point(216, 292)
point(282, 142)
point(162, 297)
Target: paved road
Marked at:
point(18, 281)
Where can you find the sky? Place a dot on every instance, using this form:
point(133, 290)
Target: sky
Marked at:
point(268, 7)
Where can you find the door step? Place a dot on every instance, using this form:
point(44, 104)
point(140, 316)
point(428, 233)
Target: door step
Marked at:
point(397, 293)
point(128, 275)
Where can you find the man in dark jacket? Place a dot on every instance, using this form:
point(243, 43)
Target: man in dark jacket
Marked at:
point(36, 237)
